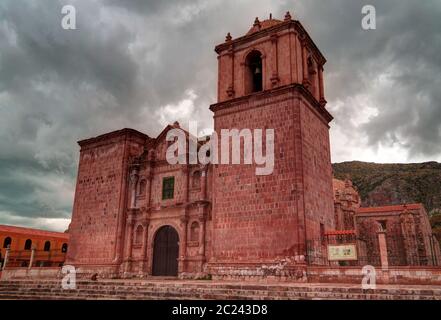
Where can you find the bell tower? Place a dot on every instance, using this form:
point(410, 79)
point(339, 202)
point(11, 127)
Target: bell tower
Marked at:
point(274, 51)
point(272, 78)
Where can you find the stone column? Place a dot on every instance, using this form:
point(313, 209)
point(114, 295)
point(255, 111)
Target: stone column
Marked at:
point(186, 173)
point(382, 244)
point(264, 71)
point(134, 176)
point(202, 236)
point(31, 261)
point(149, 196)
point(5, 261)
point(129, 239)
point(204, 178)
point(275, 72)
point(183, 244)
point(230, 89)
point(321, 86)
point(305, 63)
point(143, 266)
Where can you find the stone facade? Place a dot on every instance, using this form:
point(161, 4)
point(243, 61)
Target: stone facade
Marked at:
point(226, 216)
point(118, 206)
point(403, 232)
point(407, 232)
point(135, 214)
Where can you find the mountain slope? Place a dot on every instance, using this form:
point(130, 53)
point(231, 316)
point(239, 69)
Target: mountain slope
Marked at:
point(384, 184)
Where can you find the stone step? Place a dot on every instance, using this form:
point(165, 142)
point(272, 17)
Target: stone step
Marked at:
point(163, 293)
point(157, 289)
point(202, 290)
point(154, 295)
point(144, 291)
point(196, 295)
point(279, 288)
point(215, 297)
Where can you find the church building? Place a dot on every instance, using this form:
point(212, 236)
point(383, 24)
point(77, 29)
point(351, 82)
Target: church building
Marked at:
point(135, 214)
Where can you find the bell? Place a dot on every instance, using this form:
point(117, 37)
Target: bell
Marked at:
point(257, 71)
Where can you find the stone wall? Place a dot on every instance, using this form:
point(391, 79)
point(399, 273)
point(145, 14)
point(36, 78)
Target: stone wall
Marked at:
point(98, 217)
point(317, 171)
point(34, 273)
point(407, 230)
point(393, 275)
point(263, 217)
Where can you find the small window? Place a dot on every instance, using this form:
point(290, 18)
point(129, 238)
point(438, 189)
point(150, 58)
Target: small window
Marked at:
point(138, 234)
point(64, 248)
point(47, 246)
point(196, 180)
point(194, 231)
point(142, 185)
point(28, 244)
point(7, 242)
point(168, 188)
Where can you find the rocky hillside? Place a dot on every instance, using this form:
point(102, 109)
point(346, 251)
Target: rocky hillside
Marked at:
point(384, 184)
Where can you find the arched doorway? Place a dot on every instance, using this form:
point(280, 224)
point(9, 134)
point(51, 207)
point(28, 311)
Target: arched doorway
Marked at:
point(166, 252)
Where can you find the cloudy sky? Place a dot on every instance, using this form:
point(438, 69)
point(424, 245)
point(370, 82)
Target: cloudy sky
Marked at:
point(143, 64)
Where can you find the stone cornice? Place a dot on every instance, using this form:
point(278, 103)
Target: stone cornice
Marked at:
point(269, 32)
point(262, 95)
point(104, 138)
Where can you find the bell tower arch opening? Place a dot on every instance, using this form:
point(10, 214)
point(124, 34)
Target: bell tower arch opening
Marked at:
point(253, 72)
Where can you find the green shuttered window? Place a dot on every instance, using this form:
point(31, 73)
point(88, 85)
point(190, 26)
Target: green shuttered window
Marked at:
point(168, 188)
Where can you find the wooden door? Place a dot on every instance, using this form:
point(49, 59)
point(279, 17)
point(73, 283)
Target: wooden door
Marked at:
point(166, 252)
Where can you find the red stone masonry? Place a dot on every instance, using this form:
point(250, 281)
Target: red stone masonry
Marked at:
point(223, 219)
point(118, 205)
point(392, 208)
point(222, 213)
point(408, 233)
point(259, 219)
point(98, 223)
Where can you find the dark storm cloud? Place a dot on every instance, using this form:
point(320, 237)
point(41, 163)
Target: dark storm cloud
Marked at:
point(150, 7)
point(142, 64)
point(397, 67)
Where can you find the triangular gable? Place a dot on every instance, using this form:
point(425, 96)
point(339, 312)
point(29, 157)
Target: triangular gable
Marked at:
point(161, 144)
point(164, 132)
